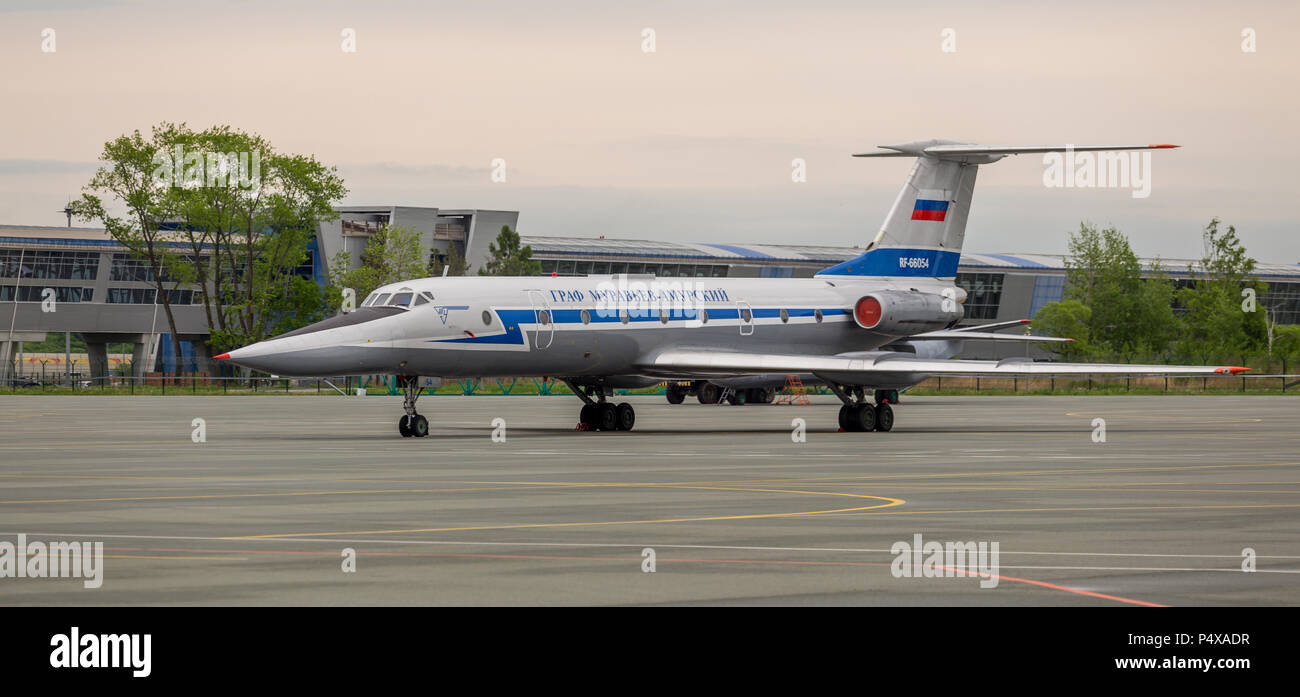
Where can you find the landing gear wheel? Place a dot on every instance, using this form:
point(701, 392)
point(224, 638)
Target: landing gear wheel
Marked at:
point(606, 417)
point(708, 393)
point(884, 417)
point(411, 424)
point(863, 418)
point(735, 398)
point(883, 396)
point(675, 394)
point(420, 426)
point(590, 416)
point(758, 395)
point(846, 422)
point(626, 416)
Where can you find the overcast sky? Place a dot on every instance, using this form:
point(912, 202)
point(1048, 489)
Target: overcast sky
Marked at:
point(694, 141)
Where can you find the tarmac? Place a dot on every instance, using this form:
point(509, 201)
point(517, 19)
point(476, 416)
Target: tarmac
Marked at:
point(727, 504)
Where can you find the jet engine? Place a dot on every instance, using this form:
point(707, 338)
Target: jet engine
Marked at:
point(903, 312)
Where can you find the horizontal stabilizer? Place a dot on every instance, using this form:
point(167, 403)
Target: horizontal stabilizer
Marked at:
point(948, 149)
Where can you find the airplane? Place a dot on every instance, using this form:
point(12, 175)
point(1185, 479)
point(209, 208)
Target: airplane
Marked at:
point(598, 333)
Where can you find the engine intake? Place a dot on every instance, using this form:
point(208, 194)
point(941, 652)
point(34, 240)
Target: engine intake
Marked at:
point(902, 312)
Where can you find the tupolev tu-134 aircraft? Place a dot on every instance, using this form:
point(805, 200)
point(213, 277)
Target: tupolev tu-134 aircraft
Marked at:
point(597, 333)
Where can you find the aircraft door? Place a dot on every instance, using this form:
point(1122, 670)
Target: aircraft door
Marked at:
point(543, 320)
point(746, 314)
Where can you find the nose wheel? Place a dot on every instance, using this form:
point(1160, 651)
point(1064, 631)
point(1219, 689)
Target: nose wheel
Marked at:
point(417, 426)
point(412, 424)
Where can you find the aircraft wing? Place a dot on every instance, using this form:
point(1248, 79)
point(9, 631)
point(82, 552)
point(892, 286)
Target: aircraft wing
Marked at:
point(721, 363)
point(985, 332)
point(992, 327)
point(955, 335)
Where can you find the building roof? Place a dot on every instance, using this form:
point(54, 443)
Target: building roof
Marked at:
point(44, 236)
point(809, 255)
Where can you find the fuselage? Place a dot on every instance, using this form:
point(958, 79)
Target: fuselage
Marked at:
point(576, 326)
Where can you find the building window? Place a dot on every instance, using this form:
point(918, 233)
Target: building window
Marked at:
point(80, 266)
point(1283, 302)
point(1047, 289)
point(983, 294)
point(35, 294)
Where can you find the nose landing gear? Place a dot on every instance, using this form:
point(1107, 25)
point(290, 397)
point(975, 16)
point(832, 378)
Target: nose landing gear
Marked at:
point(411, 423)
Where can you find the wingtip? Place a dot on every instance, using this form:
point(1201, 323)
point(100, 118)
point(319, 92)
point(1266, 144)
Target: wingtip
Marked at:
point(1163, 145)
point(1232, 369)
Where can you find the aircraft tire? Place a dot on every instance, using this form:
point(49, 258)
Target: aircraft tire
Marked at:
point(863, 418)
point(675, 394)
point(402, 428)
point(884, 417)
point(420, 426)
point(607, 417)
point(708, 393)
point(846, 423)
point(626, 416)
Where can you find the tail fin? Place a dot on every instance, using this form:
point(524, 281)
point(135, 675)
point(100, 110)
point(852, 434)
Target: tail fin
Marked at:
point(925, 228)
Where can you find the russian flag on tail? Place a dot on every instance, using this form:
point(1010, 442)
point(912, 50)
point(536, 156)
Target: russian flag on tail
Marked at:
point(930, 209)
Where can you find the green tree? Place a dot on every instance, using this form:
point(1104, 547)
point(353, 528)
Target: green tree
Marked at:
point(1104, 274)
point(509, 257)
point(1218, 322)
point(453, 262)
point(220, 209)
point(1070, 319)
point(127, 175)
point(393, 254)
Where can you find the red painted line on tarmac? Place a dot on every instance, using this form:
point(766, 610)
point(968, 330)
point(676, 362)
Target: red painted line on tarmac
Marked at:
point(553, 557)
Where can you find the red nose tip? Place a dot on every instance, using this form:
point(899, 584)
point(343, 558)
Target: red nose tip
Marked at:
point(224, 355)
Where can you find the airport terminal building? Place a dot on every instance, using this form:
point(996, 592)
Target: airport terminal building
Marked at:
point(107, 296)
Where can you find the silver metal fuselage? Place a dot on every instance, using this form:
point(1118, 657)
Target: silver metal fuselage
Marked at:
point(592, 326)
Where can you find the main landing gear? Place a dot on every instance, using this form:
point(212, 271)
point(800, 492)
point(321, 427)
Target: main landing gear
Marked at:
point(858, 414)
point(411, 423)
point(600, 415)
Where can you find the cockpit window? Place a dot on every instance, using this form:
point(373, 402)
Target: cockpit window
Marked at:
point(370, 300)
point(382, 299)
point(401, 299)
point(421, 299)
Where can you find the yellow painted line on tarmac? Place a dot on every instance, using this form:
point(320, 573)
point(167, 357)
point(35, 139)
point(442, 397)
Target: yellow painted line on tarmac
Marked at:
point(889, 502)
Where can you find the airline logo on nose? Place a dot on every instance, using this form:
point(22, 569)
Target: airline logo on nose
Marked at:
point(930, 209)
